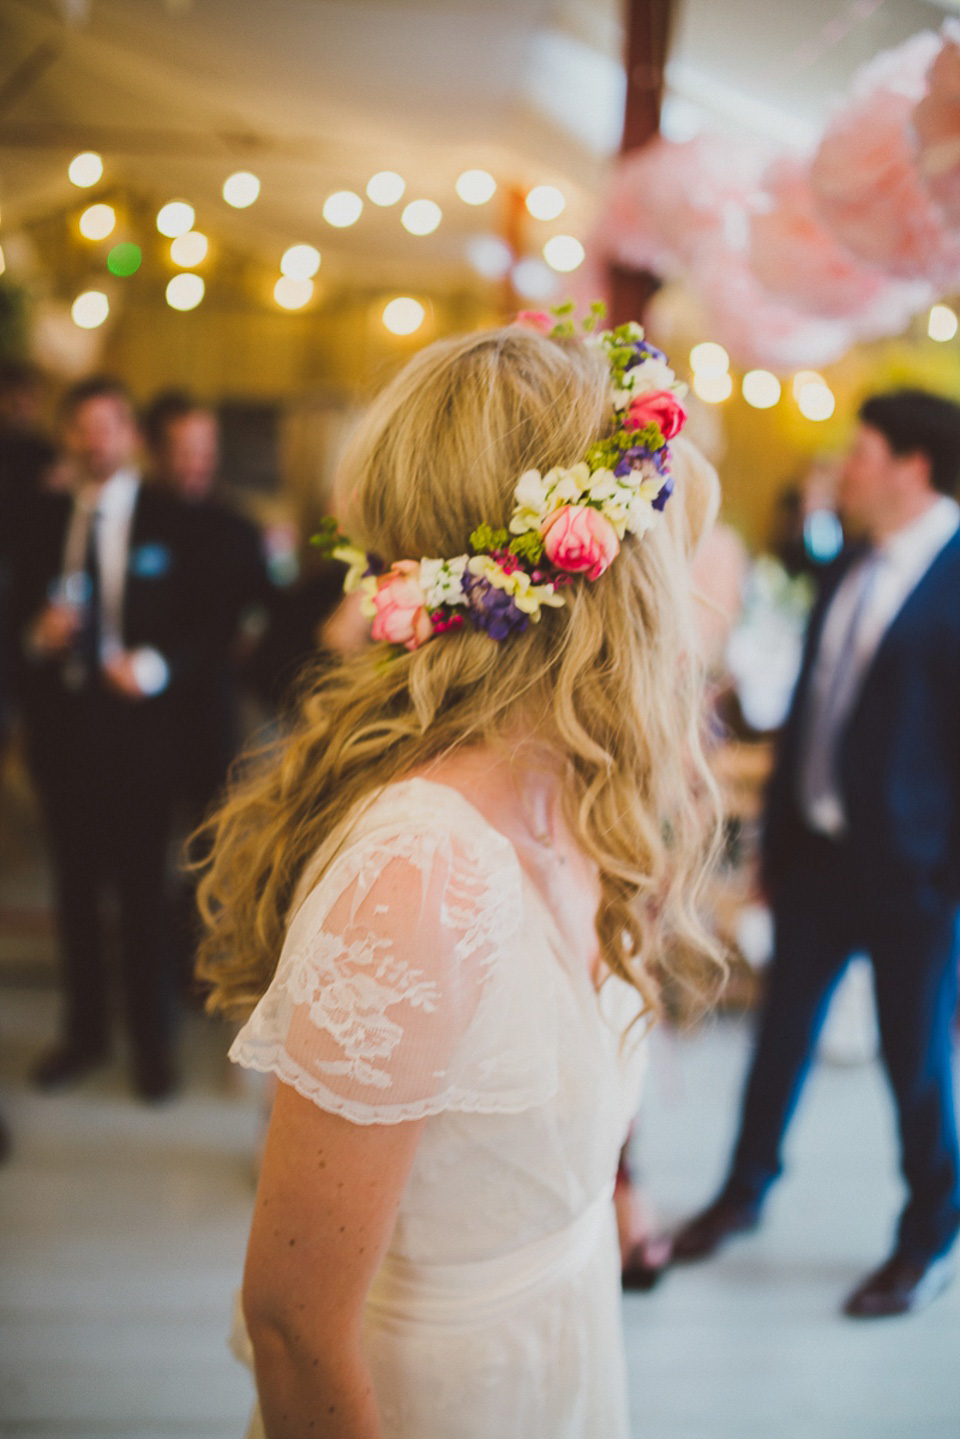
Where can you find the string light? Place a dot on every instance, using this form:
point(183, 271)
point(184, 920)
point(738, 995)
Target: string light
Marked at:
point(184, 292)
point(175, 219)
point(300, 262)
point(533, 279)
point(709, 360)
point(761, 389)
point(816, 401)
point(386, 187)
point(564, 253)
point(421, 217)
point(291, 294)
point(189, 249)
point(546, 202)
point(943, 323)
point(490, 256)
point(125, 259)
point(805, 377)
point(714, 388)
point(90, 309)
point(403, 316)
point(241, 189)
point(476, 187)
point(97, 222)
point(85, 169)
point(342, 208)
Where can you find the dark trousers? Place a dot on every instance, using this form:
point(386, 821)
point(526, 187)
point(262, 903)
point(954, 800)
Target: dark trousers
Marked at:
point(108, 819)
point(821, 919)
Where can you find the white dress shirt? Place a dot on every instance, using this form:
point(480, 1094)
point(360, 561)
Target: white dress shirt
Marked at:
point(111, 506)
point(864, 607)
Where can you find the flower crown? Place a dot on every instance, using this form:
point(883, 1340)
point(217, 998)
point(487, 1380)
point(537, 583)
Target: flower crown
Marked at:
point(564, 523)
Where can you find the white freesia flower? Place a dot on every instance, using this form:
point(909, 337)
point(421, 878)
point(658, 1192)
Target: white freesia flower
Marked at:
point(649, 375)
point(603, 485)
point(566, 492)
point(642, 516)
point(531, 491)
point(440, 581)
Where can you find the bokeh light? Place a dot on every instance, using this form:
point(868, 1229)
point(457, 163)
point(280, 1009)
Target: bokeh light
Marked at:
point(943, 323)
point(184, 292)
point(476, 187)
point(816, 401)
point(125, 259)
point(97, 222)
point(708, 359)
point(490, 256)
point(533, 279)
point(761, 389)
point(386, 187)
point(546, 202)
point(291, 294)
point(421, 217)
point(714, 388)
point(805, 377)
point(241, 189)
point(85, 169)
point(403, 316)
point(564, 253)
point(300, 262)
point(90, 309)
point(175, 219)
point(189, 249)
point(342, 208)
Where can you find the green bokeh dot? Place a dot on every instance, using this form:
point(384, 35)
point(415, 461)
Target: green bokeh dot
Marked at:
point(124, 259)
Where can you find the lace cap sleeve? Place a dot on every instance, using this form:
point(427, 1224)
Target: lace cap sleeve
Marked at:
point(397, 985)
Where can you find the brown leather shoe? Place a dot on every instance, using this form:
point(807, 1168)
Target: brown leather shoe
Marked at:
point(703, 1235)
point(901, 1286)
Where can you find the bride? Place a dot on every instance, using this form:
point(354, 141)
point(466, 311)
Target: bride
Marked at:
point(446, 905)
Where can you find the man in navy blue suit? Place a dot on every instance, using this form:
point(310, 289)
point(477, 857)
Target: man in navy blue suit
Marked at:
point(862, 840)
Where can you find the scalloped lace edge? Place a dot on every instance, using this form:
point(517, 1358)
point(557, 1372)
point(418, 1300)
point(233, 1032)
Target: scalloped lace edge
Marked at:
point(306, 1085)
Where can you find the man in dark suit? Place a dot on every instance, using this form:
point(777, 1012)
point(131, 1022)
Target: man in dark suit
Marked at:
point(862, 840)
point(110, 601)
point(184, 448)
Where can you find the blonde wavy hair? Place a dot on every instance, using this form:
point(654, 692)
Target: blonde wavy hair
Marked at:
point(609, 685)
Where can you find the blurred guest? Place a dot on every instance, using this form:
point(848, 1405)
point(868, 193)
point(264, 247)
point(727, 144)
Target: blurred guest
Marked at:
point(108, 598)
point(862, 842)
point(184, 444)
point(25, 456)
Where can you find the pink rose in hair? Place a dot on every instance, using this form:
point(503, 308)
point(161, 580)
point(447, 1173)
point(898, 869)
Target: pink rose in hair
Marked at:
point(402, 617)
point(535, 320)
point(578, 538)
point(659, 407)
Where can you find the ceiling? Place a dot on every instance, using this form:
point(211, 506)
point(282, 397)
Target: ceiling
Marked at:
point(315, 96)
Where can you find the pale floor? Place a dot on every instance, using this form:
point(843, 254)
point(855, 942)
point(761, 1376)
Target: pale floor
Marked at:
point(123, 1231)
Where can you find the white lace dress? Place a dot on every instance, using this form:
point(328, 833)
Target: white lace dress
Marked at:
point(426, 975)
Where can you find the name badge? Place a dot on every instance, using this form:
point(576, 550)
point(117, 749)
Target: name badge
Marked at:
point(149, 562)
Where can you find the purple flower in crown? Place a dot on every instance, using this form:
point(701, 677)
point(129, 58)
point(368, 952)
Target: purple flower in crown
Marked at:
point(492, 609)
point(643, 350)
point(660, 502)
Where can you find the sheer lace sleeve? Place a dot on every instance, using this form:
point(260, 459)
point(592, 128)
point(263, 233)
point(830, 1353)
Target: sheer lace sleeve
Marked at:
point(398, 987)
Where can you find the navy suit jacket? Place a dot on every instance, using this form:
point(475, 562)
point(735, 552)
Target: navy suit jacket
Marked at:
point(899, 762)
point(168, 603)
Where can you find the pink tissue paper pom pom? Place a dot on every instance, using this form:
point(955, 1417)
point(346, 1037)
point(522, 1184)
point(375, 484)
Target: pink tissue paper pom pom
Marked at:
point(936, 121)
point(865, 174)
point(401, 605)
point(658, 407)
point(672, 198)
point(579, 539)
point(796, 257)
